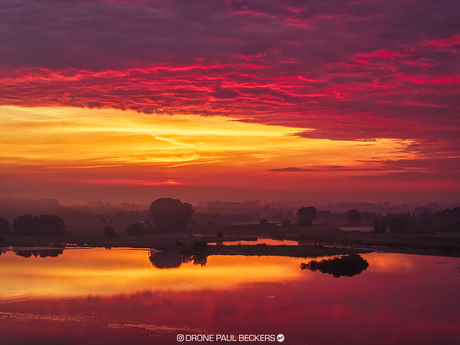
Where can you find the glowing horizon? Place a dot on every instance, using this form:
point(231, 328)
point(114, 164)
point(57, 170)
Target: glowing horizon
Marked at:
point(113, 147)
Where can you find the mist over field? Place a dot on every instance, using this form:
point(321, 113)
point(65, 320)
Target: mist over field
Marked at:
point(216, 211)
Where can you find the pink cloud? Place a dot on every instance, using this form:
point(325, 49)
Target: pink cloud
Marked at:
point(447, 42)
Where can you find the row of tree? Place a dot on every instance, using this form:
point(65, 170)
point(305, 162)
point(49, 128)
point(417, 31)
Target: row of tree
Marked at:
point(408, 223)
point(37, 225)
point(306, 215)
point(171, 215)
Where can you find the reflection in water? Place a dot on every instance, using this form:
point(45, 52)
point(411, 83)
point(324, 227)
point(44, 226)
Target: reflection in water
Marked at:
point(165, 258)
point(43, 253)
point(347, 266)
point(258, 241)
point(97, 271)
point(118, 297)
point(195, 259)
point(174, 259)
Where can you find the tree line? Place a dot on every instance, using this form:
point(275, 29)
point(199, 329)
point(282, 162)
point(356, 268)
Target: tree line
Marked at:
point(447, 220)
point(37, 225)
point(171, 215)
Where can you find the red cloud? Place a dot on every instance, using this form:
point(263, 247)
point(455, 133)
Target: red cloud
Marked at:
point(447, 42)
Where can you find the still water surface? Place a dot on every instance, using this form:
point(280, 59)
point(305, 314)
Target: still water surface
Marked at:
point(121, 296)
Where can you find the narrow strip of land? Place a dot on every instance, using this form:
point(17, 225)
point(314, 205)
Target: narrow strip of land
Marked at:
point(314, 241)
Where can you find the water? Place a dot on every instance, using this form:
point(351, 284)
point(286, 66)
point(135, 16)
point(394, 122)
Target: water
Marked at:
point(267, 241)
point(358, 228)
point(119, 296)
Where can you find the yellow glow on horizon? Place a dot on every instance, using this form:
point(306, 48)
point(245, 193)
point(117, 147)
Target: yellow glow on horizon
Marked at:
point(114, 142)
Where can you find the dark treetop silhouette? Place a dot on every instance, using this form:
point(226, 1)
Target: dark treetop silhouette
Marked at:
point(43, 225)
point(306, 215)
point(348, 266)
point(353, 216)
point(170, 215)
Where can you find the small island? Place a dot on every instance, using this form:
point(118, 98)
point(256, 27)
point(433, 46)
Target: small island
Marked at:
point(348, 266)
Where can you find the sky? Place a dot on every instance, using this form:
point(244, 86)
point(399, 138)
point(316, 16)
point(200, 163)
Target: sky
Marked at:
point(130, 101)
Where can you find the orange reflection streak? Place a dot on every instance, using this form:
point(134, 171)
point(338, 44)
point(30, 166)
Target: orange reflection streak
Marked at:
point(421, 305)
point(388, 262)
point(107, 272)
point(97, 271)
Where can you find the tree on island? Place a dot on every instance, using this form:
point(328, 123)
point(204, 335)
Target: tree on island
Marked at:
point(348, 266)
point(305, 215)
point(171, 215)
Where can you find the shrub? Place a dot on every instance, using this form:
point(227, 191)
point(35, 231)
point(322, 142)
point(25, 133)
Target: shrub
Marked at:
point(136, 229)
point(263, 222)
point(200, 246)
point(108, 231)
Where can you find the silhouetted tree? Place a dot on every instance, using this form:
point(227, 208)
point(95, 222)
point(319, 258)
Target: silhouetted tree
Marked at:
point(219, 234)
point(263, 222)
point(43, 225)
point(49, 225)
point(23, 225)
point(286, 222)
point(200, 246)
point(4, 226)
point(306, 215)
point(380, 226)
point(349, 265)
point(353, 216)
point(447, 220)
point(403, 223)
point(108, 231)
point(137, 229)
point(171, 215)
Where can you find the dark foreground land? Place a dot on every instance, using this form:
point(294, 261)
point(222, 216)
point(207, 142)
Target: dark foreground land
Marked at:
point(314, 241)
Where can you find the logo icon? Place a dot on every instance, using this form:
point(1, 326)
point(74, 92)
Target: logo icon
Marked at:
point(180, 338)
point(280, 337)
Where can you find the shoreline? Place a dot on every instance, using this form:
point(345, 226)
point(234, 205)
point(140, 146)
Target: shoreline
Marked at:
point(300, 251)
